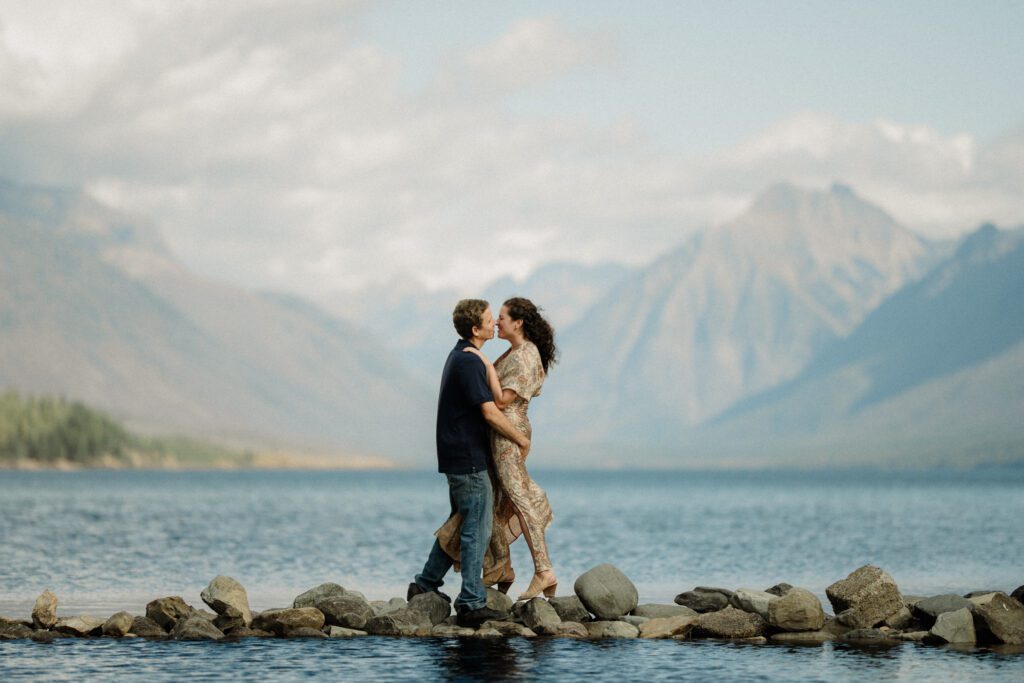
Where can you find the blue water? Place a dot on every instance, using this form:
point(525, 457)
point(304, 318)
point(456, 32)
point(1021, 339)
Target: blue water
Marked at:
point(105, 541)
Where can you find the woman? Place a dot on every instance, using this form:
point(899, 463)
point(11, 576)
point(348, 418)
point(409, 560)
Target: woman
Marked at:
point(520, 506)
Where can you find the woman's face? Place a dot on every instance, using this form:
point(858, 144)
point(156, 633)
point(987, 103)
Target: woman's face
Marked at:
point(506, 326)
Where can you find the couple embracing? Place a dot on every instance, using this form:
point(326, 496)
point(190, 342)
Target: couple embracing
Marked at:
point(483, 439)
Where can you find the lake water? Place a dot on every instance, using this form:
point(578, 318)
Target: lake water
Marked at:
point(105, 541)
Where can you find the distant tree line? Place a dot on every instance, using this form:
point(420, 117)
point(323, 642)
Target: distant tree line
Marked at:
point(47, 429)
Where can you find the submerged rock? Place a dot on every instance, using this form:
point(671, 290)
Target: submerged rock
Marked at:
point(606, 592)
point(668, 627)
point(612, 629)
point(865, 598)
point(342, 632)
point(228, 598)
point(44, 612)
point(305, 632)
point(451, 631)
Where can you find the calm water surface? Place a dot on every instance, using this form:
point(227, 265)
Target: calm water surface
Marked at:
point(105, 541)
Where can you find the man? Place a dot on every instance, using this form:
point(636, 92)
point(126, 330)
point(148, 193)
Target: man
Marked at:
point(465, 412)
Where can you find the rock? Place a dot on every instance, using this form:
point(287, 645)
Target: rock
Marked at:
point(1001, 620)
point(12, 630)
point(913, 636)
point(606, 592)
point(448, 631)
point(80, 626)
point(537, 614)
point(41, 636)
point(305, 632)
point(486, 633)
point(978, 594)
point(392, 605)
point(779, 589)
point(44, 613)
point(118, 625)
point(246, 632)
point(954, 627)
point(929, 609)
point(729, 623)
point(400, 622)
point(281, 621)
point(342, 632)
point(668, 627)
point(750, 600)
point(433, 605)
point(652, 611)
point(497, 600)
point(797, 610)
point(205, 614)
point(612, 629)
point(802, 637)
point(147, 628)
point(167, 611)
point(229, 624)
point(348, 611)
point(1018, 594)
point(901, 620)
point(703, 600)
point(865, 636)
point(322, 593)
point(510, 628)
point(227, 597)
point(569, 608)
point(634, 619)
point(983, 599)
point(569, 629)
point(195, 627)
point(869, 593)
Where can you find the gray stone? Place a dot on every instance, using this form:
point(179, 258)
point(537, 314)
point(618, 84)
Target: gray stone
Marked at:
point(246, 632)
point(537, 613)
point(281, 621)
point(750, 600)
point(342, 632)
point(305, 632)
point(569, 608)
point(486, 633)
point(1000, 620)
point(392, 605)
point(634, 619)
point(433, 605)
point(703, 600)
point(913, 636)
point(80, 626)
point(569, 629)
point(901, 620)
point(612, 629)
point(355, 593)
point(606, 592)
point(348, 611)
point(802, 637)
point(865, 635)
point(44, 612)
point(500, 602)
point(227, 597)
point(118, 625)
point(954, 627)
point(779, 589)
point(1018, 594)
point(510, 629)
point(797, 610)
point(12, 630)
point(978, 594)
point(449, 631)
point(400, 622)
point(229, 624)
point(41, 636)
point(322, 593)
point(869, 593)
point(983, 599)
point(147, 628)
point(167, 611)
point(678, 626)
point(652, 611)
point(195, 627)
point(729, 623)
point(929, 609)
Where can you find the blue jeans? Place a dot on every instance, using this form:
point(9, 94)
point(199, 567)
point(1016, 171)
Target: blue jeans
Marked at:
point(471, 497)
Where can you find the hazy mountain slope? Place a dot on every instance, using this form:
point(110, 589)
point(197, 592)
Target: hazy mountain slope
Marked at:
point(93, 307)
point(735, 310)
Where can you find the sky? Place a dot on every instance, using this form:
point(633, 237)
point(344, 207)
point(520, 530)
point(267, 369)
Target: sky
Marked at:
point(316, 146)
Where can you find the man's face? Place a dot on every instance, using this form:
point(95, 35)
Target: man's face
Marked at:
point(486, 329)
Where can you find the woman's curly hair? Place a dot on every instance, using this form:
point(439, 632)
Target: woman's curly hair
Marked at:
point(535, 328)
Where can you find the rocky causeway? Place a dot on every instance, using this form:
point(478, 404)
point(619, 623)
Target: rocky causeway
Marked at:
point(867, 609)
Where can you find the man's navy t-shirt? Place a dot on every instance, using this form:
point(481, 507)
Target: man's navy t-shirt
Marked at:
point(463, 437)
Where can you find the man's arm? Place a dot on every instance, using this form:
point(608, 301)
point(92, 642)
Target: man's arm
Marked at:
point(500, 424)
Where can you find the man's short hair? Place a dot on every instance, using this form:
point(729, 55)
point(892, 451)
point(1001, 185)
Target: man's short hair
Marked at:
point(468, 313)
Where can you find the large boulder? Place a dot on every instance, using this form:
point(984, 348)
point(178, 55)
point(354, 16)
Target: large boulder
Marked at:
point(606, 592)
point(1001, 619)
point(147, 628)
point(280, 621)
point(400, 622)
point(678, 626)
point(703, 599)
point(865, 598)
point(929, 609)
point(750, 600)
point(569, 608)
point(539, 616)
point(195, 627)
point(652, 611)
point(956, 626)
point(797, 610)
point(13, 630)
point(227, 597)
point(167, 611)
point(730, 623)
point(611, 629)
point(433, 605)
point(118, 625)
point(81, 626)
point(322, 593)
point(44, 612)
point(347, 611)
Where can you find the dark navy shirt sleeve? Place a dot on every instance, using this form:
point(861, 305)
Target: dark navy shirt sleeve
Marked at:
point(473, 380)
